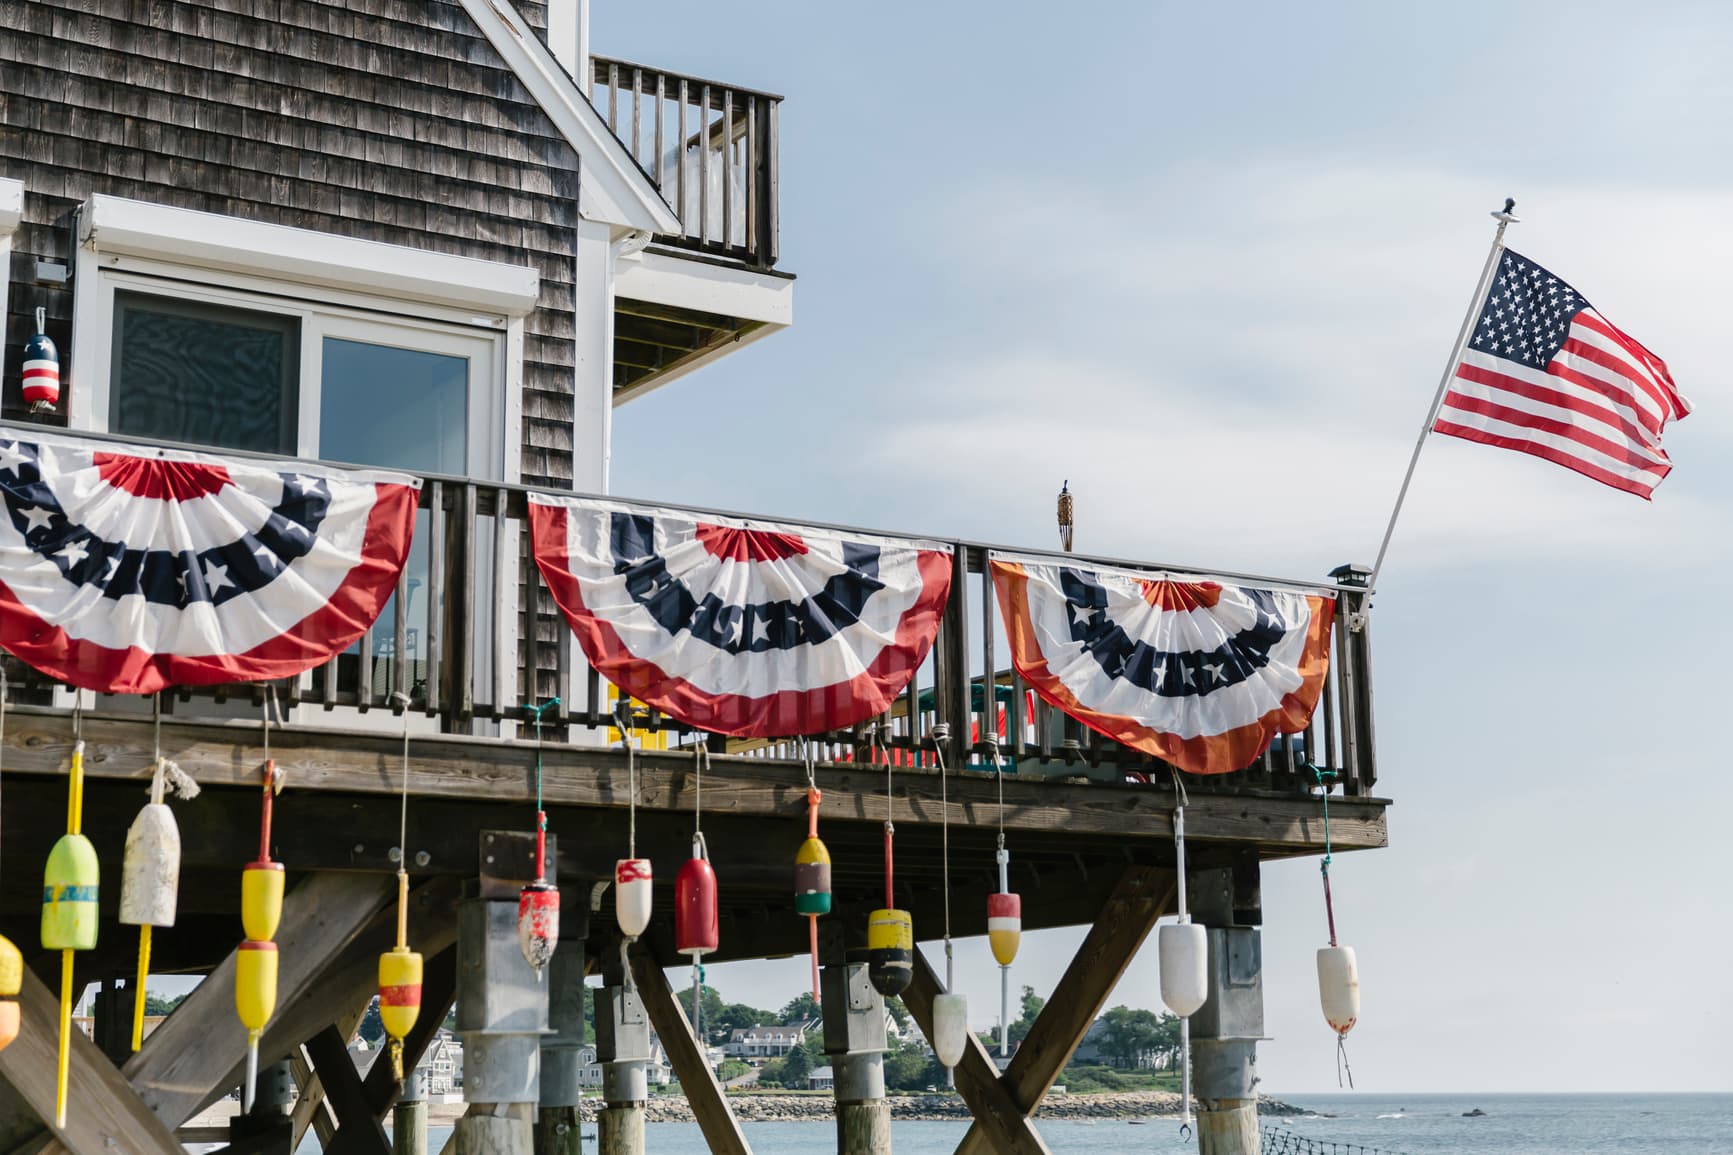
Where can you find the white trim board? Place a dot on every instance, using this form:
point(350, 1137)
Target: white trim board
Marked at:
point(118, 226)
point(11, 215)
point(612, 189)
point(665, 279)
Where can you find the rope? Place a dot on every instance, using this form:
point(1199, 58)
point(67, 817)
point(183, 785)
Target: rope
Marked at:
point(623, 719)
point(1342, 1065)
point(941, 735)
point(541, 813)
point(700, 762)
point(876, 750)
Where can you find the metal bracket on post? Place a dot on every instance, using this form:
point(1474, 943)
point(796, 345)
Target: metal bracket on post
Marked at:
point(502, 1001)
point(854, 1032)
point(560, 1086)
point(622, 1035)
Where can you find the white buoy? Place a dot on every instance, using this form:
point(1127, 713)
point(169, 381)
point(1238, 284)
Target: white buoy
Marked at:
point(151, 869)
point(1183, 951)
point(1339, 987)
point(632, 895)
point(950, 1028)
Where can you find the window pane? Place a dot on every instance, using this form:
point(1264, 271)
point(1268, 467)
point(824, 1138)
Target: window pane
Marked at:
point(405, 409)
point(205, 374)
point(395, 408)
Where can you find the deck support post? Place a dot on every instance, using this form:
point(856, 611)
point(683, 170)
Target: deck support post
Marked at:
point(268, 1130)
point(502, 1011)
point(557, 1108)
point(854, 1040)
point(623, 1049)
point(1225, 1031)
point(409, 1116)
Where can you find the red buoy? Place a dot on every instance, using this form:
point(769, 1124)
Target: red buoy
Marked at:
point(696, 927)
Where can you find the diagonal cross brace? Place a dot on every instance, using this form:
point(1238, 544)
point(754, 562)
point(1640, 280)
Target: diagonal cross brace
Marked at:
point(1142, 895)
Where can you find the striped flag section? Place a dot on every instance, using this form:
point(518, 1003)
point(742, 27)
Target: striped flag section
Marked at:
point(1546, 374)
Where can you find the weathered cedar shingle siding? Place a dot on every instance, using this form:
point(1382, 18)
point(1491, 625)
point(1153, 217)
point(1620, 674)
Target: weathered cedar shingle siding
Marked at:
point(389, 120)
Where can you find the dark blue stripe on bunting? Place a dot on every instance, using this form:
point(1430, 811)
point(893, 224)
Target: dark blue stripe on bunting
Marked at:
point(753, 628)
point(236, 568)
point(1168, 674)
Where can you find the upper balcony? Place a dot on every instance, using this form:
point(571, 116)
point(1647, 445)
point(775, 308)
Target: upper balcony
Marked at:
point(711, 150)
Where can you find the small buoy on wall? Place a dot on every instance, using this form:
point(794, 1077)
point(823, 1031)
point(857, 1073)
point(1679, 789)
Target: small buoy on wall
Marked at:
point(41, 372)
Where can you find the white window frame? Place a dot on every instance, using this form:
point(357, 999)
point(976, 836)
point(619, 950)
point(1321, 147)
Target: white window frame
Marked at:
point(11, 216)
point(340, 286)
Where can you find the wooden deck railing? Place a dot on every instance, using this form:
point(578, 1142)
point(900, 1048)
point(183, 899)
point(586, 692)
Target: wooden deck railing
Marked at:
point(709, 147)
point(467, 659)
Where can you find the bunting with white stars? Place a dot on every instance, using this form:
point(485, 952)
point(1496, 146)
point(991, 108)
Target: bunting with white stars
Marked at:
point(126, 569)
point(746, 628)
point(1546, 374)
point(1198, 673)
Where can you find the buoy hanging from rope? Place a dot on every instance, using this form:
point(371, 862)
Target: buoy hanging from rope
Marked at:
point(538, 904)
point(632, 875)
point(697, 929)
point(150, 871)
point(1338, 970)
point(69, 887)
point(1182, 951)
point(1004, 912)
point(950, 1009)
point(261, 913)
point(41, 371)
point(812, 868)
point(11, 958)
point(400, 968)
point(890, 932)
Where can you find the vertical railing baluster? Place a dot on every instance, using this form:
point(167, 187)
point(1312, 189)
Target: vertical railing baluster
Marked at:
point(1346, 693)
point(751, 181)
point(1016, 719)
point(637, 115)
point(727, 167)
point(958, 653)
point(704, 165)
point(399, 667)
point(364, 683)
point(614, 99)
point(680, 158)
point(467, 608)
point(768, 243)
point(661, 167)
point(530, 689)
point(594, 713)
point(504, 603)
point(435, 593)
point(989, 666)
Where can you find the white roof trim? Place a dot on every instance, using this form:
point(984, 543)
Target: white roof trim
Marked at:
point(140, 229)
point(11, 206)
point(611, 187)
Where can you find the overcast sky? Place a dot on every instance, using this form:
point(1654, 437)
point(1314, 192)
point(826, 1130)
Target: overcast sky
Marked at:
point(1207, 262)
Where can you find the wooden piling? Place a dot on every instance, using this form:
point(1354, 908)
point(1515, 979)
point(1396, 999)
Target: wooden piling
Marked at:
point(490, 1133)
point(1227, 1127)
point(863, 1128)
point(557, 1131)
point(619, 1129)
point(409, 1128)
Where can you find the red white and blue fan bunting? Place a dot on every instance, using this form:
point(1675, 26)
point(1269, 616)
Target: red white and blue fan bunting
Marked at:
point(741, 627)
point(126, 569)
point(1199, 673)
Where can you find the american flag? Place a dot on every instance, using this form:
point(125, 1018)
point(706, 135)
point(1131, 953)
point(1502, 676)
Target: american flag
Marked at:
point(1544, 373)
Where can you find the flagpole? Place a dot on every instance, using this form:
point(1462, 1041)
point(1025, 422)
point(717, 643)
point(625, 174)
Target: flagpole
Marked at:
point(1505, 219)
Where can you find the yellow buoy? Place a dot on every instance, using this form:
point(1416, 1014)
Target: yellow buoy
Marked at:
point(262, 900)
point(890, 951)
point(256, 984)
point(11, 981)
point(69, 886)
point(255, 998)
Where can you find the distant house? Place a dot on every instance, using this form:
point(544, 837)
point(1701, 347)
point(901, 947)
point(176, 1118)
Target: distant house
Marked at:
point(772, 1042)
point(821, 1079)
point(443, 1063)
point(656, 1072)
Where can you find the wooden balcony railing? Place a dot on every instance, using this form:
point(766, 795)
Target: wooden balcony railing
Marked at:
point(467, 659)
point(710, 148)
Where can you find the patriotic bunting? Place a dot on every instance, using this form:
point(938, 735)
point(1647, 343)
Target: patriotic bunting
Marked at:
point(1200, 674)
point(125, 569)
point(746, 628)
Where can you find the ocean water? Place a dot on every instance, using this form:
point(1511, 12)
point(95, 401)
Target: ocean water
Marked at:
point(1354, 1124)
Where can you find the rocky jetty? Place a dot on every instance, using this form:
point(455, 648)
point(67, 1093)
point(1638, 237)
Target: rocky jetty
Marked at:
point(773, 1108)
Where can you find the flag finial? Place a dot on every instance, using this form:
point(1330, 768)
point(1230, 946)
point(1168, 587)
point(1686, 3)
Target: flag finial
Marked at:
point(1507, 215)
